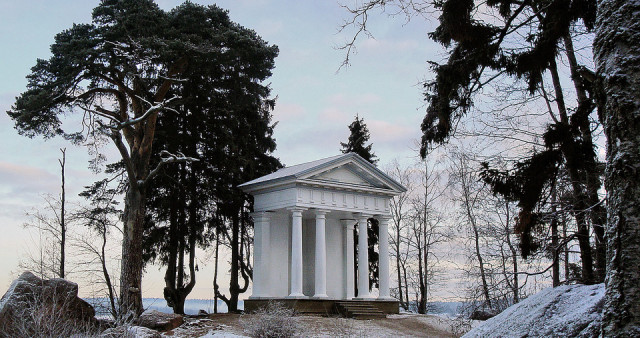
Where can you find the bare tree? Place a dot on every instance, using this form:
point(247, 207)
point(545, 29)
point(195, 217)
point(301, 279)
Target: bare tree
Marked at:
point(429, 230)
point(51, 222)
point(468, 188)
point(400, 209)
point(63, 225)
point(101, 217)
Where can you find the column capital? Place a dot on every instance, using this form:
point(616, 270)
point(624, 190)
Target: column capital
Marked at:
point(360, 215)
point(260, 215)
point(296, 210)
point(320, 212)
point(385, 218)
point(348, 224)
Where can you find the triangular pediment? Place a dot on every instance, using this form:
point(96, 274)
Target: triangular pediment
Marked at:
point(346, 171)
point(347, 174)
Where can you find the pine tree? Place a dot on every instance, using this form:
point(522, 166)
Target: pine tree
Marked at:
point(119, 72)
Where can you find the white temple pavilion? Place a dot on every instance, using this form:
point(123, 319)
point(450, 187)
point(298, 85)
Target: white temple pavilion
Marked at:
point(304, 218)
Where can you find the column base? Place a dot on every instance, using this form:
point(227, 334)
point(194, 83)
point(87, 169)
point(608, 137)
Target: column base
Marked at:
point(296, 296)
point(320, 297)
point(386, 298)
point(363, 298)
point(259, 297)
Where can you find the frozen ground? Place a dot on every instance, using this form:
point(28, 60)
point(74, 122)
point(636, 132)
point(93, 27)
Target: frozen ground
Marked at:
point(404, 325)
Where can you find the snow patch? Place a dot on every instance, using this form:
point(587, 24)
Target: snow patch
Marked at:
point(218, 334)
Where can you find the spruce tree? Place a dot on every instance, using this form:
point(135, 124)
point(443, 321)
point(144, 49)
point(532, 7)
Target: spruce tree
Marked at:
point(358, 137)
point(482, 52)
point(225, 122)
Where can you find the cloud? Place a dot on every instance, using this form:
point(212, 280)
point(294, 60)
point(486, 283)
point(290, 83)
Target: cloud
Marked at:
point(20, 181)
point(342, 108)
point(288, 111)
point(387, 132)
point(270, 28)
point(365, 99)
point(335, 116)
point(388, 45)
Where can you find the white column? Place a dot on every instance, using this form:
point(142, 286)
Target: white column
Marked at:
point(363, 258)
point(296, 253)
point(348, 235)
point(261, 243)
point(383, 260)
point(321, 256)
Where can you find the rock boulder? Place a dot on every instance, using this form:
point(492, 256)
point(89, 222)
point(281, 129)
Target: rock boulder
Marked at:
point(130, 331)
point(33, 303)
point(564, 311)
point(160, 321)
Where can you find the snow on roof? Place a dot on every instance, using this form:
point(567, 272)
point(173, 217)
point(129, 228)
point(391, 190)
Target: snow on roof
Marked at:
point(293, 170)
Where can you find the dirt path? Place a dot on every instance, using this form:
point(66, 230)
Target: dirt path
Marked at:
point(409, 325)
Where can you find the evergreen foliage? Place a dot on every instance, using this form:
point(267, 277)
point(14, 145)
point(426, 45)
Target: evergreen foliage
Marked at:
point(225, 122)
point(481, 51)
point(478, 48)
point(358, 137)
point(130, 69)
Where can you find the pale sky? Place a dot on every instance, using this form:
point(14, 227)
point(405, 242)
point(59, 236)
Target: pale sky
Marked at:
point(314, 107)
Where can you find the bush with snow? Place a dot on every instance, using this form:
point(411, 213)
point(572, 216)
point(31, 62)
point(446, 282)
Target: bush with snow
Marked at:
point(273, 320)
point(39, 318)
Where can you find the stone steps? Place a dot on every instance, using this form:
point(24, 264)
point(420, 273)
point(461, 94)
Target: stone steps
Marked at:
point(359, 310)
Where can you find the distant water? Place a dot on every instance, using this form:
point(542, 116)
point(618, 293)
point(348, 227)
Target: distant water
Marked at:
point(191, 306)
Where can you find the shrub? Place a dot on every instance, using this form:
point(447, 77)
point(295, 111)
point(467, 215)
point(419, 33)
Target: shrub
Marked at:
point(271, 321)
point(37, 317)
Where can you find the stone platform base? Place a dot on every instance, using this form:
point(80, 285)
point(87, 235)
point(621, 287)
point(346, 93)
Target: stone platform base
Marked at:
point(325, 307)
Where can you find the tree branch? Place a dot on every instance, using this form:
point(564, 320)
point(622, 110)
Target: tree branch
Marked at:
point(167, 157)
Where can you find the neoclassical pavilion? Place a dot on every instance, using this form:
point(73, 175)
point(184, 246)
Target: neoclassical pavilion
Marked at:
point(304, 218)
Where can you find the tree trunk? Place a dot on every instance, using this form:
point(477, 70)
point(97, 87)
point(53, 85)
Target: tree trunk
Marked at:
point(483, 275)
point(580, 203)
point(215, 271)
point(397, 249)
point(592, 176)
point(420, 297)
point(105, 273)
point(476, 239)
point(132, 264)
point(170, 274)
point(514, 256)
point(63, 225)
point(617, 55)
point(566, 249)
point(406, 285)
point(234, 286)
point(554, 239)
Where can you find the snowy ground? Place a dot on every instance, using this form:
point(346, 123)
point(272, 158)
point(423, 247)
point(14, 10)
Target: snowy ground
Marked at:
point(403, 325)
point(565, 311)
